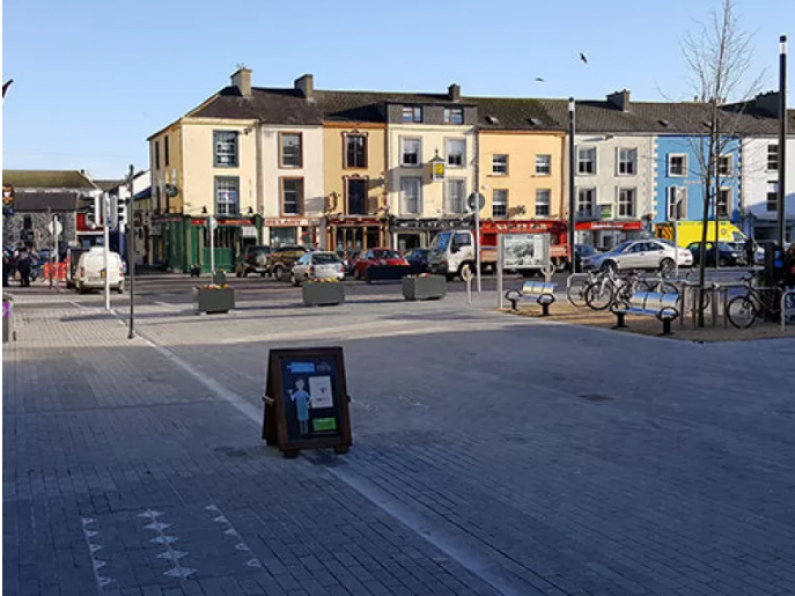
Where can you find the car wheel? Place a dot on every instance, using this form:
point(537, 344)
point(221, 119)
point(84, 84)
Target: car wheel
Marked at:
point(722, 262)
point(609, 267)
point(120, 289)
point(80, 288)
point(357, 274)
point(464, 269)
point(262, 274)
point(238, 273)
point(667, 266)
point(278, 273)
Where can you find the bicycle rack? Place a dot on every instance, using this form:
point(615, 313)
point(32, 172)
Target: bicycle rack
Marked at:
point(784, 295)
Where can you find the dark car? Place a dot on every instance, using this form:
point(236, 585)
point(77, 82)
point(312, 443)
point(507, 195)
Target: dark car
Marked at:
point(581, 251)
point(728, 255)
point(282, 259)
point(253, 260)
point(418, 259)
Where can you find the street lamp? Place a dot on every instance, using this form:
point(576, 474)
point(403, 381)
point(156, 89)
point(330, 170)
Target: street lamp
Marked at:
point(572, 202)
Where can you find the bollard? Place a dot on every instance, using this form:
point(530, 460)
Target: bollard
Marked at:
point(467, 275)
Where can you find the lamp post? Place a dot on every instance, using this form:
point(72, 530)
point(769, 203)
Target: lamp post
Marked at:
point(782, 144)
point(131, 251)
point(572, 201)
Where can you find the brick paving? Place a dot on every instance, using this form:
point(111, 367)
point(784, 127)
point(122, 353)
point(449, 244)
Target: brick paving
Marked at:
point(492, 455)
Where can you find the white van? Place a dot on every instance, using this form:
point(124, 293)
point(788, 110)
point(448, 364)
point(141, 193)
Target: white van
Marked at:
point(90, 271)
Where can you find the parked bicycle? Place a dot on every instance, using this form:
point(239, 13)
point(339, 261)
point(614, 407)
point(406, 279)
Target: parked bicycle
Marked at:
point(576, 290)
point(603, 292)
point(744, 310)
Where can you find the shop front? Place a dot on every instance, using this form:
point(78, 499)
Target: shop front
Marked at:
point(606, 234)
point(409, 233)
point(286, 231)
point(352, 233)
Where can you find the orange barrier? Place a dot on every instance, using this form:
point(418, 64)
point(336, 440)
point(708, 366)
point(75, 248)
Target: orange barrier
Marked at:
point(59, 271)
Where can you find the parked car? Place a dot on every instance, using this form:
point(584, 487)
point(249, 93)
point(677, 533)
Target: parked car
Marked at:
point(317, 265)
point(640, 254)
point(377, 256)
point(418, 259)
point(90, 273)
point(253, 260)
point(582, 251)
point(282, 259)
point(728, 255)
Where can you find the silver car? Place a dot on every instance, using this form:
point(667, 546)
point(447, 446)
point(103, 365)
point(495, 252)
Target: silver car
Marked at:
point(318, 265)
point(652, 254)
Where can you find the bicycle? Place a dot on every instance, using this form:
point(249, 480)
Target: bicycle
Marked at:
point(744, 310)
point(576, 290)
point(610, 289)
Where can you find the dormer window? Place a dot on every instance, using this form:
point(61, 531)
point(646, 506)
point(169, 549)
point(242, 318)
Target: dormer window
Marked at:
point(412, 114)
point(453, 115)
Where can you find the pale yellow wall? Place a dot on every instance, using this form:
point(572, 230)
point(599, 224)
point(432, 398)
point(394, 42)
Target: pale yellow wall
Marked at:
point(521, 182)
point(173, 173)
point(333, 160)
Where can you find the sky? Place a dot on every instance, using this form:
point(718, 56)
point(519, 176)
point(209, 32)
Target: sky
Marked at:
point(94, 78)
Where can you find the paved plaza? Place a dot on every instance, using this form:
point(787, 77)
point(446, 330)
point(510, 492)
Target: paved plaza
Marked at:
point(492, 455)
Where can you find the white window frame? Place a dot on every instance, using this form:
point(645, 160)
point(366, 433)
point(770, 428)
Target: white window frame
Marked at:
point(730, 158)
point(403, 163)
point(770, 146)
point(592, 209)
point(671, 157)
point(772, 190)
point(547, 204)
point(621, 162)
point(504, 192)
point(494, 164)
point(449, 207)
point(670, 203)
point(543, 164)
point(403, 204)
point(226, 186)
point(592, 160)
point(226, 149)
point(622, 204)
point(729, 197)
point(447, 145)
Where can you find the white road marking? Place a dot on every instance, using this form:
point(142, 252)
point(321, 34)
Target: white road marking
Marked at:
point(231, 531)
point(94, 546)
point(178, 570)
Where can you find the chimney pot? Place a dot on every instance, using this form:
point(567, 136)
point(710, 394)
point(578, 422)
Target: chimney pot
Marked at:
point(242, 80)
point(454, 92)
point(306, 85)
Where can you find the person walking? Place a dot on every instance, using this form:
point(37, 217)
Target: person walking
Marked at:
point(789, 267)
point(24, 267)
point(6, 267)
point(750, 249)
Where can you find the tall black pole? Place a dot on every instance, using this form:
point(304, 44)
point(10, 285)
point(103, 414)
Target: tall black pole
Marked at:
point(782, 145)
point(572, 191)
point(131, 251)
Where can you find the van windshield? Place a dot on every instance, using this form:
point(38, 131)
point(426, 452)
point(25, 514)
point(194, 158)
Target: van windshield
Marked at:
point(442, 242)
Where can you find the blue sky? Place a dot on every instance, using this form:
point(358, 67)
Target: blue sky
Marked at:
point(93, 78)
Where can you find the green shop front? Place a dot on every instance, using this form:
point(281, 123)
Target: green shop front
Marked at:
point(179, 242)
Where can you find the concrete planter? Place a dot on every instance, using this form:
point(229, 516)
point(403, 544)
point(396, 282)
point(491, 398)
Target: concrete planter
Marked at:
point(323, 293)
point(431, 287)
point(214, 301)
point(8, 321)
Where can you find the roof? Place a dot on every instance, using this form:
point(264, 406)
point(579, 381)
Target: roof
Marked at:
point(269, 106)
point(507, 113)
point(72, 179)
point(27, 201)
point(107, 185)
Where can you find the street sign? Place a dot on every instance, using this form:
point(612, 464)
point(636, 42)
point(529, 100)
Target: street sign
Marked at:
point(55, 227)
point(476, 196)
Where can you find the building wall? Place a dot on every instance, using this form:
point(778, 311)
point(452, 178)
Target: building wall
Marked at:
point(689, 145)
point(171, 173)
point(334, 164)
point(433, 139)
point(522, 182)
point(13, 226)
point(607, 182)
point(757, 180)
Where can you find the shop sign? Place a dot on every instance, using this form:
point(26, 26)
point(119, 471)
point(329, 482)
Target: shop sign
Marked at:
point(430, 224)
point(287, 222)
point(612, 225)
point(518, 226)
point(168, 219)
point(248, 232)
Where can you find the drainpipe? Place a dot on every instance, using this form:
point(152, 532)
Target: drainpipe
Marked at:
point(259, 193)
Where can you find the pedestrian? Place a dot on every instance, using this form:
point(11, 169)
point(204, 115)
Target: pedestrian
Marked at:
point(24, 267)
point(6, 267)
point(750, 249)
point(789, 266)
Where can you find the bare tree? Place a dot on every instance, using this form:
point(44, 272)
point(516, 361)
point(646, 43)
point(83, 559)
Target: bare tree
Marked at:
point(718, 55)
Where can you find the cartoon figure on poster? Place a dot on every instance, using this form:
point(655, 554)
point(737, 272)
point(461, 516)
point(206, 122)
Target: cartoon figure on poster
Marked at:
point(301, 400)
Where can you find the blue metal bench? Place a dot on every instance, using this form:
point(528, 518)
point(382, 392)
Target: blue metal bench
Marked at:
point(542, 293)
point(664, 307)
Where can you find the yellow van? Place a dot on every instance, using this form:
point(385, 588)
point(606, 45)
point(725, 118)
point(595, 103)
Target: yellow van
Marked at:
point(690, 231)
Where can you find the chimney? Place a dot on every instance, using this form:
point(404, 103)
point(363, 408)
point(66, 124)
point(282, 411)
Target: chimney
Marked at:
point(242, 80)
point(306, 85)
point(454, 92)
point(769, 102)
point(620, 99)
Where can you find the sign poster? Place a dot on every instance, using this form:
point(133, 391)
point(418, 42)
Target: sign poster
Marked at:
point(306, 400)
point(525, 250)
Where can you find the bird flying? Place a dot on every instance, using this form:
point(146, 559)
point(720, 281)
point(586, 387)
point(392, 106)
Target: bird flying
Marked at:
point(6, 85)
point(539, 80)
point(583, 58)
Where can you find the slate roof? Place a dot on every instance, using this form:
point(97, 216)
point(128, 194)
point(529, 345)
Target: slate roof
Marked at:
point(58, 202)
point(271, 106)
point(59, 179)
point(507, 113)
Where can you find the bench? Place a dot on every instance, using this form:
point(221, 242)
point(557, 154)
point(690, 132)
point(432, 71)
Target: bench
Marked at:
point(543, 293)
point(650, 304)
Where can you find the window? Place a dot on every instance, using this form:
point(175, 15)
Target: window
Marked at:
point(725, 165)
point(455, 196)
point(456, 152)
point(677, 203)
point(357, 196)
point(410, 195)
point(626, 202)
point(355, 151)
point(410, 153)
point(772, 196)
point(499, 164)
point(543, 202)
point(290, 150)
point(226, 195)
point(292, 196)
point(461, 240)
point(724, 202)
point(157, 155)
point(412, 114)
point(586, 199)
point(772, 158)
point(586, 160)
point(677, 165)
point(627, 162)
point(544, 165)
point(225, 143)
point(454, 115)
point(165, 149)
point(499, 202)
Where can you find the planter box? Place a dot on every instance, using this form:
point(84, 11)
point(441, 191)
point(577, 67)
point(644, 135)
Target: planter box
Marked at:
point(214, 301)
point(316, 294)
point(432, 287)
point(8, 328)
